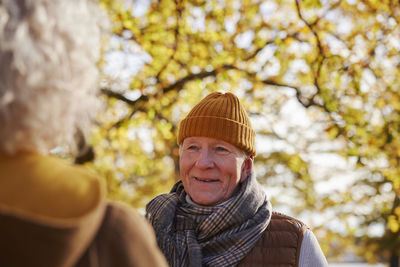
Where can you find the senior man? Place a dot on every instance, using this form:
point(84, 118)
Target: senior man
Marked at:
point(217, 214)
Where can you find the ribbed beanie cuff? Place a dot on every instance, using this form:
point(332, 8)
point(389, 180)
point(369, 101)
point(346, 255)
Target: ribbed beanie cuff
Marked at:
point(219, 116)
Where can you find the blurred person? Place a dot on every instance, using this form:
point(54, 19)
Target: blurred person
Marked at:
point(218, 214)
point(53, 213)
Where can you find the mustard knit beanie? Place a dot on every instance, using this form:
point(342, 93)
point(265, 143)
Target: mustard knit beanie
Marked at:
point(220, 116)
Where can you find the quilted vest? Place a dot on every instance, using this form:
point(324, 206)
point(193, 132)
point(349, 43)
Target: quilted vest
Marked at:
point(280, 244)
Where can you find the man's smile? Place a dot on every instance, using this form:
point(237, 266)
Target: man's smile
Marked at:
point(205, 180)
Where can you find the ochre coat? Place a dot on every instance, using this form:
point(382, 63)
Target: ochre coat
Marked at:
point(55, 214)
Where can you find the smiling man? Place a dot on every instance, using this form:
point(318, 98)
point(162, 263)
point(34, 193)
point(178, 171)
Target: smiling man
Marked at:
point(217, 214)
point(211, 169)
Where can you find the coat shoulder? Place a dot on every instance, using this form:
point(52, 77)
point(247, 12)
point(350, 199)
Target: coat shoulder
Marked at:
point(125, 239)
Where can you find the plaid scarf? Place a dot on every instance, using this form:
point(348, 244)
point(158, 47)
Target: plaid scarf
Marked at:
point(192, 235)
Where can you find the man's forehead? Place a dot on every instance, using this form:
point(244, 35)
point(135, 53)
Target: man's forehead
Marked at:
point(210, 141)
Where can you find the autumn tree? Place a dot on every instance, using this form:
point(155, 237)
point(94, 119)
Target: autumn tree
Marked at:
point(320, 80)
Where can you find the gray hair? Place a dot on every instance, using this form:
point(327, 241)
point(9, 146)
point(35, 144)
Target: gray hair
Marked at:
point(48, 73)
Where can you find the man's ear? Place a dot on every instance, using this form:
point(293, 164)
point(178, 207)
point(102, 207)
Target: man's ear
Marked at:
point(247, 168)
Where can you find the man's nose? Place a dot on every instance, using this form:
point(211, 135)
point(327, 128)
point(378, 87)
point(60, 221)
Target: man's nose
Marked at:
point(205, 159)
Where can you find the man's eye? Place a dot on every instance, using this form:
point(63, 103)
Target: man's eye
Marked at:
point(191, 147)
point(221, 149)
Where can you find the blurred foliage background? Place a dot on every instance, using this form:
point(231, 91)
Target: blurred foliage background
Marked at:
point(319, 78)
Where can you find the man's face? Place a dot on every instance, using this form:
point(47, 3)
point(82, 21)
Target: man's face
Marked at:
point(211, 169)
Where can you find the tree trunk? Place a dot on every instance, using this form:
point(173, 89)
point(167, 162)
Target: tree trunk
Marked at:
point(394, 260)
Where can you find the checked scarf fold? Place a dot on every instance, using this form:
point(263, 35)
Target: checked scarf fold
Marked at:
point(192, 235)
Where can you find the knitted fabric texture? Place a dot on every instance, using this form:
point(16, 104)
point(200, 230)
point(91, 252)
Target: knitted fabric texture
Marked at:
point(218, 236)
point(219, 116)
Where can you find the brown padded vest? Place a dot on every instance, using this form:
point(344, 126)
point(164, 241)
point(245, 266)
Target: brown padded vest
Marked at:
point(279, 246)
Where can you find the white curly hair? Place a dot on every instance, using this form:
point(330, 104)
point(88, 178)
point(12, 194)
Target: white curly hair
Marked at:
point(48, 73)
